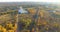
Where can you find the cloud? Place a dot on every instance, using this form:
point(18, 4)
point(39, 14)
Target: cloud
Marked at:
point(55, 1)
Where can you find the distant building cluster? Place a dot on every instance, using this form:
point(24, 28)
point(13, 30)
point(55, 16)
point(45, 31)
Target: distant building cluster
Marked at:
point(21, 10)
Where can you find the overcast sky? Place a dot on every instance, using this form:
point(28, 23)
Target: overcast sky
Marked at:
point(54, 1)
